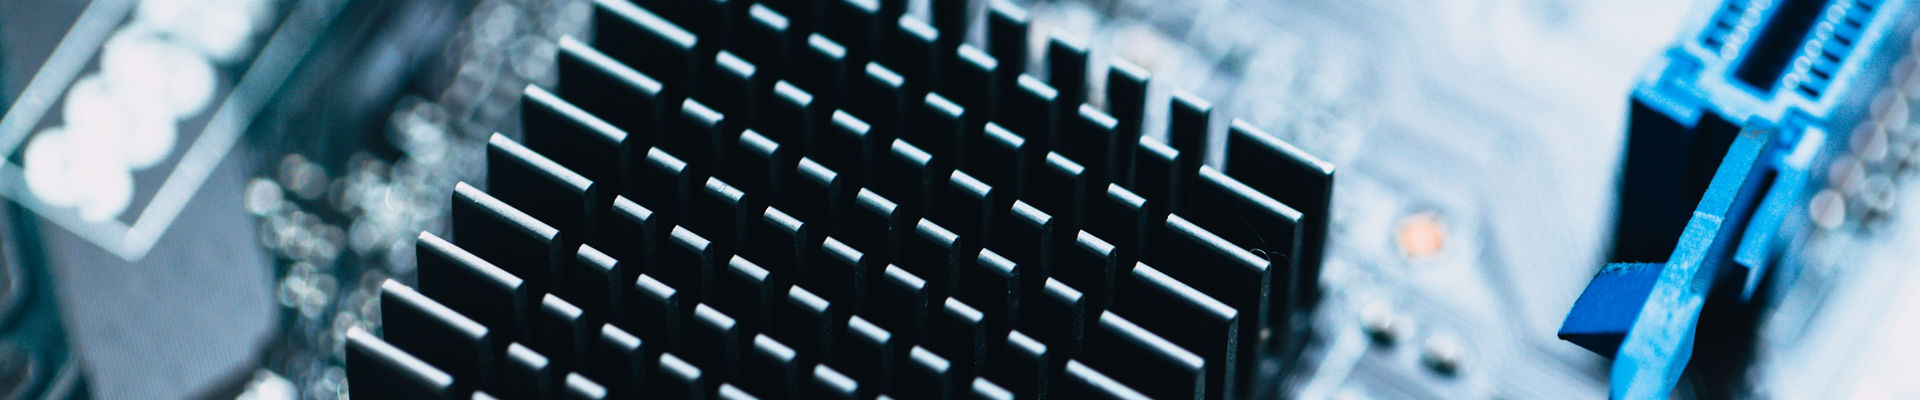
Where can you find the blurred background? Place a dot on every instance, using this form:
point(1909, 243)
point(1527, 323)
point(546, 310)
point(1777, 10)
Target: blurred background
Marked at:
point(203, 196)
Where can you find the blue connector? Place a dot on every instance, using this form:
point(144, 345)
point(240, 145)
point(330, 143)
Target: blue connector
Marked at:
point(1644, 313)
point(1725, 137)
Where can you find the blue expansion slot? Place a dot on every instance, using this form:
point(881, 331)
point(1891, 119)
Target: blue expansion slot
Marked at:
point(1728, 134)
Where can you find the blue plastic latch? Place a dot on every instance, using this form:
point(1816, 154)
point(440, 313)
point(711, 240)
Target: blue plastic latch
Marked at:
point(1645, 314)
point(1604, 312)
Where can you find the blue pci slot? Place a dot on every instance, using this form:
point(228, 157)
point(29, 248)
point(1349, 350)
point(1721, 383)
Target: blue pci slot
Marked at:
point(1728, 135)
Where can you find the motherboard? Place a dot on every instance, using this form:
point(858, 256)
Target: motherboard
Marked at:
point(1487, 199)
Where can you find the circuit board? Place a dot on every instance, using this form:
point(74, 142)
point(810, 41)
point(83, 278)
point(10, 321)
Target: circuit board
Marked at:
point(1480, 146)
